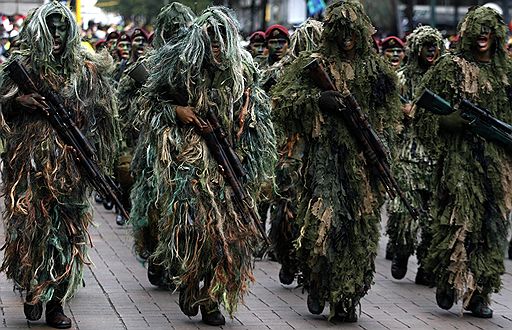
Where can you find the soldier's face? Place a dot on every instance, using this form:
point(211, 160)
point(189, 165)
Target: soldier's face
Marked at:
point(123, 49)
point(485, 41)
point(394, 56)
point(429, 53)
point(138, 44)
point(58, 27)
point(346, 41)
point(277, 47)
point(257, 48)
point(216, 43)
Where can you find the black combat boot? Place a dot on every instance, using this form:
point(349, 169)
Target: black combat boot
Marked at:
point(479, 307)
point(445, 298)
point(315, 304)
point(186, 297)
point(510, 249)
point(389, 251)
point(211, 315)
point(348, 315)
point(55, 316)
point(423, 278)
point(33, 312)
point(399, 266)
point(155, 273)
point(286, 275)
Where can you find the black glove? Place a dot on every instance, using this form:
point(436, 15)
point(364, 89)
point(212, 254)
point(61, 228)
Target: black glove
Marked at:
point(331, 101)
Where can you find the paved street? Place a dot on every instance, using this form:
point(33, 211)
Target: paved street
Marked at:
point(117, 295)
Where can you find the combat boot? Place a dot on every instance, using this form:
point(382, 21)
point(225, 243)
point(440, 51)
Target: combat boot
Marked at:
point(55, 316)
point(479, 307)
point(445, 298)
point(423, 278)
point(286, 275)
point(187, 295)
point(155, 273)
point(399, 266)
point(33, 312)
point(348, 315)
point(315, 304)
point(510, 249)
point(389, 251)
point(211, 315)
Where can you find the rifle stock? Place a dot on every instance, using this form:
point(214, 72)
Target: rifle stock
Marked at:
point(64, 125)
point(360, 127)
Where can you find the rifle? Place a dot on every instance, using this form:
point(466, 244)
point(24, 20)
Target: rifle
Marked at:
point(230, 167)
point(480, 121)
point(122, 66)
point(62, 122)
point(361, 130)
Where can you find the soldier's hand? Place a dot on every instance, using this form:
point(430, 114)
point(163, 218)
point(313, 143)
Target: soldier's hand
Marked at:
point(32, 101)
point(406, 109)
point(330, 101)
point(187, 116)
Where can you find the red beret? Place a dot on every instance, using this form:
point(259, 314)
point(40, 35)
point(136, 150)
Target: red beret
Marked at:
point(258, 36)
point(276, 31)
point(113, 35)
point(124, 37)
point(391, 42)
point(139, 32)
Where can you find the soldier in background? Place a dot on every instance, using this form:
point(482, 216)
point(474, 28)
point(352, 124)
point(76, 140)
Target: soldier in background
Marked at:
point(393, 50)
point(414, 166)
point(257, 47)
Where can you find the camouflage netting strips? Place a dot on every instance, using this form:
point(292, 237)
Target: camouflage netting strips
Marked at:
point(474, 176)
point(47, 212)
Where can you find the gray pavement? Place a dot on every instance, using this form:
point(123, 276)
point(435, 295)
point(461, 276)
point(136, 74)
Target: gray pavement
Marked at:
point(117, 295)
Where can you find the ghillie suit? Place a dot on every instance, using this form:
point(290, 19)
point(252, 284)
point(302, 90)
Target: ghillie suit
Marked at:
point(338, 205)
point(200, 228)
point(284, 230)
point(472, 176)
point(144, 215)
point(414, 165)
point(47, 212)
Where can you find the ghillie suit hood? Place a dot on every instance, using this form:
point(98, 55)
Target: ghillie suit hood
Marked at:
point(37, 42)
point(200, 228)
point(170, 20)
point(411, 73)
point(469, 29)
point(193, 54)
point(46, 194)
point(307, 37)
point(415, 41)
point(343, 18)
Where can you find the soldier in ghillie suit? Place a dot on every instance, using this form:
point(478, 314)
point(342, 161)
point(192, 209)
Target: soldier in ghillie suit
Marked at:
point(202, 229)
point(338, 207)
point(393, 50)
point(284, 230)
point(414, 166)
point(172, 20)
point(472, 175)
point(47, 212)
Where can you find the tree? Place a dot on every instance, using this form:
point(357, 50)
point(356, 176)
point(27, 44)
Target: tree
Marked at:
point(145, 11)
